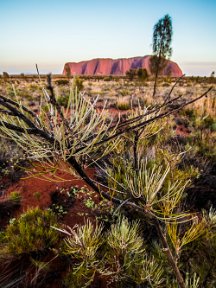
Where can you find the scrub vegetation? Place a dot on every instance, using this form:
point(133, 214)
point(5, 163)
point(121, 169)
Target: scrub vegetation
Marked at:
point(146, 214)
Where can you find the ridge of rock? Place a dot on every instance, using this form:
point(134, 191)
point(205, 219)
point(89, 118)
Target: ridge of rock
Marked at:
point(117, 67)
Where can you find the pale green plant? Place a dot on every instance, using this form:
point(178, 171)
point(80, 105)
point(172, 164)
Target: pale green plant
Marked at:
point(146, 270)
point(70, 132)
point(123, 237)
point(152, 188)
point(127, 257)
point(83, 241)
point(194, 231)
point(192, 282)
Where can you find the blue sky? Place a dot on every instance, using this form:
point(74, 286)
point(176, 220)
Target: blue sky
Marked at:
point(50, 32)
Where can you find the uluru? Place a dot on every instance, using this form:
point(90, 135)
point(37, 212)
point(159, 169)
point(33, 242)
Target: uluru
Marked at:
point(117, 67)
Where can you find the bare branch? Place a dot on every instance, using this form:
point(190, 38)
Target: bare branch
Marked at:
point(24, 108)
point(168, 96)
point(16, 112)
point(17, 128)
point(160, 116)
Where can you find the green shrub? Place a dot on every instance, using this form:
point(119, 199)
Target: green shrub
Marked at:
point(5, 75)
point(62, 81)
point(107, 78)
point(118, 254)
point(32, 232)
point(15, 196)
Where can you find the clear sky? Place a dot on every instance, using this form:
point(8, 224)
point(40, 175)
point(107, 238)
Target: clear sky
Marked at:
point(52, 32)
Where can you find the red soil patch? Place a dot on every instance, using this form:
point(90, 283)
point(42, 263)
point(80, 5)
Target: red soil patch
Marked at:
point(39, 183)
point(181, 130)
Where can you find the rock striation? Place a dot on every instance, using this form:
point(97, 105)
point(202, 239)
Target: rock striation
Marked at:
point(117, 67)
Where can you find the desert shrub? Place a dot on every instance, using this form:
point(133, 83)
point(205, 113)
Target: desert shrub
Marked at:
point(62, 200)
point(63, 100)
point(130, 74)
point(107, 78)
point(118, 255)
point(32, 232)
point(82, 245)
point(62, 81)
point(124, 92)
point(5, 75)
point(140, 74)
point(190, 113)
point(77, 87)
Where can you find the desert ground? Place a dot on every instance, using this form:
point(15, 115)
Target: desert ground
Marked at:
point(182, 144)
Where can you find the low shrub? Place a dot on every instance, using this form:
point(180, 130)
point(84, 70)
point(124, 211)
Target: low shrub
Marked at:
point(62, 81)
point(32, 232)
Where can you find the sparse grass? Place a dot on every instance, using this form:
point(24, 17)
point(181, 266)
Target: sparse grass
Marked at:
point(123, 104)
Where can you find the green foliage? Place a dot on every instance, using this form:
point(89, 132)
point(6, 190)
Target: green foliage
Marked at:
point(141, 74)
point(130, 74)
point(89, 203)
point(82, 245)
point(58, 210)
point(12, 159)
point(32, 232)
point(119, 256)
point(15, 196)
point(162, 37)
point(5, 75)
point(62, 81)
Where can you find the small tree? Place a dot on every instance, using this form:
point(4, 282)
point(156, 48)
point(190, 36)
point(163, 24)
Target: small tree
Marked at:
point(5, 75)
point(162, 38)
point(130, 74)
point(142, 74)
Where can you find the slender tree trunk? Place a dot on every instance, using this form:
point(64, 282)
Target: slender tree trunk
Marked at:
point(156, 75)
